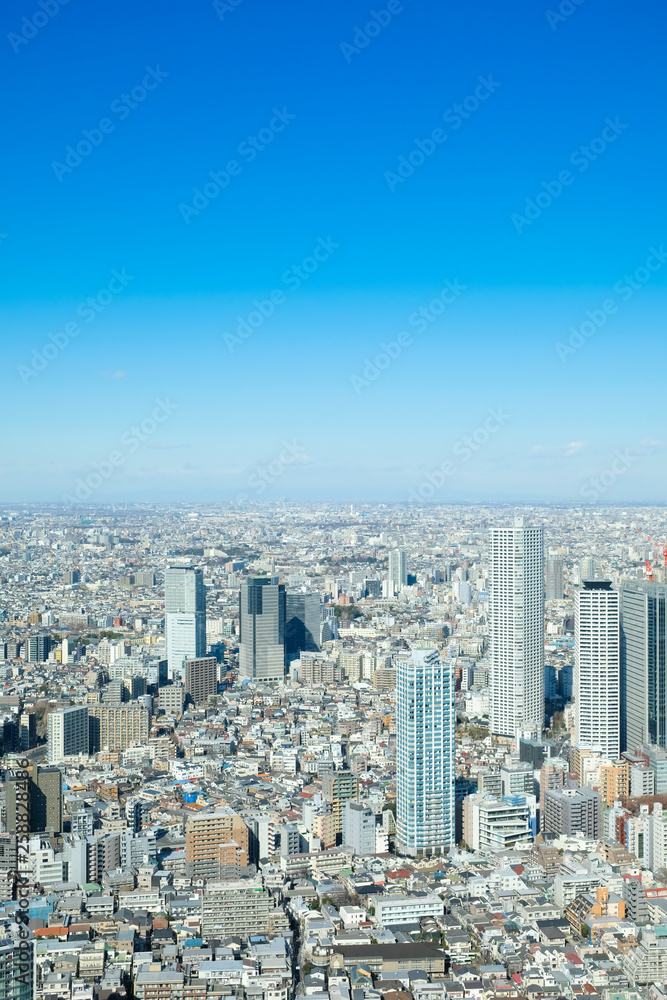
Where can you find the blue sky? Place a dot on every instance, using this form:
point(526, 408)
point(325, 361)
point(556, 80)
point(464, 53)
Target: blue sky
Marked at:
point(169, 94)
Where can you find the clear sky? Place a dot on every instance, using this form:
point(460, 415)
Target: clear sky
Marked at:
point(339, 166)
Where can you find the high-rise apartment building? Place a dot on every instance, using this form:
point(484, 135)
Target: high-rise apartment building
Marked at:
point(572, 810)
point(201, 678)
point(67, 733)
point(236, 908)
point(185, 616)
point(262, 607)
point(587, 569)
point(643, 665)
point(554, 578)
point(516, 614)
point(213, 839)
point(338, 787)
point(359, 827)
point(302, 624)
point(425, 777)
point(398, 568)
point(597, 668)
point(115, 727)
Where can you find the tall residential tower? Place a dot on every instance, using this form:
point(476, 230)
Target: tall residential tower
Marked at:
point(425, 776)
point(596, 668)
point(516, 613)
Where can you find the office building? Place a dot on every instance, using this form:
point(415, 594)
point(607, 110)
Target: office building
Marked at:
point(201, 678)
point(67, 733)
point(643, 666)
point(27, 731)
point(185, 616)
point(572, 810)
point(425, 776)
point(302, 624)
point(554, 578)
point(45, 788)
point(597, 668)
point(398, 569)
point(359, 827)
point(262, 630)
point(116, 727)
point(516, 617)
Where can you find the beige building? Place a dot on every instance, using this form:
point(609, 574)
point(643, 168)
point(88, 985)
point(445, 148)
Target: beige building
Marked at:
point(219, 837)
point(115, 727)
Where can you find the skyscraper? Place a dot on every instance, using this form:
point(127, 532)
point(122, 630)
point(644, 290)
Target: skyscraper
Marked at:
point(302, 624)
point(425, 777)
point(554, 581)
point(516, 615)
point(597, 668)
point(185, 616)
point(398, 568)
point(67, 733)
point(643, 665)
point(262, 630)
point(201, 678)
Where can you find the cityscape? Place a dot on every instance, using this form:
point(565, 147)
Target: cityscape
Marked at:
point(333, 500)
point(303, 750)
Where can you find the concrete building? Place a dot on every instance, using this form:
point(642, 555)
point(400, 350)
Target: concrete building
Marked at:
point(115, 727)
point(67, 733)
point(213, 839)
point(359, 827)
point(395, 909)
point(262, 610)
point(338, 787)
point(516, 619)
point(572, 810)
point(397, 572)
point(185, 616)
point(425, 776)
point(597, 668)
point(45, 787)
point(554, 578)
point(491, 824)
point(201, 678)
point(643, 666)
point(240, 908)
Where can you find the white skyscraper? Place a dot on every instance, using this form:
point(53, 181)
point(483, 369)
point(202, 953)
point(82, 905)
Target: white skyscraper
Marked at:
point(425, 819)
point(597, 668)
point(185, 616)
point(516, 618)
point(398, 568)
point(67, 733)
